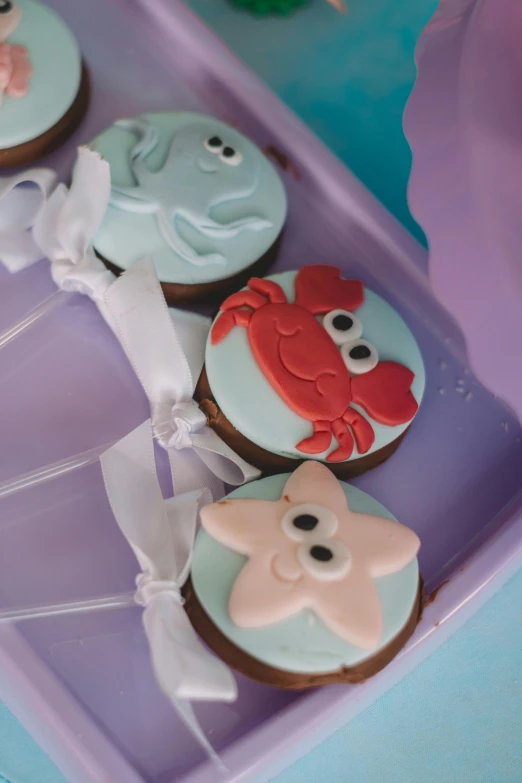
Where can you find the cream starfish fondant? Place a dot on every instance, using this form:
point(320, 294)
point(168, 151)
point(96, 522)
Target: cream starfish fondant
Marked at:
point(308, 550)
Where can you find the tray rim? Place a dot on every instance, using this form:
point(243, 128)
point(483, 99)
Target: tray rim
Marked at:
point(76, 744)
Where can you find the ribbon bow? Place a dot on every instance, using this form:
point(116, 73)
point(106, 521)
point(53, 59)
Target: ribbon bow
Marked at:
point(66, 224)
point(161, 534)
point(20, 207)
point(168, 365)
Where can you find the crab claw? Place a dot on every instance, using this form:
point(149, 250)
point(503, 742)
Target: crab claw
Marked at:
point(320, 289)
point(385, 393)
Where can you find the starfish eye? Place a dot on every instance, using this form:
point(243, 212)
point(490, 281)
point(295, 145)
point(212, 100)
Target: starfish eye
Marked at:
point(5, 6)
point(359, 356)
point(342, 326)
point(308, 522)
point(326, 559)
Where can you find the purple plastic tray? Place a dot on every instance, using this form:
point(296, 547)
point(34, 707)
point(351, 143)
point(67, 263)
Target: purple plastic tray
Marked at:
point(83, 684)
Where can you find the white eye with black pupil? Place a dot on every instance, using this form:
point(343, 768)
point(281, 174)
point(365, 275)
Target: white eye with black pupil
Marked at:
point(342, 326)
point(308, 522)
point(359, 356)
point(325, 559)
point(214, 144)
point(5, 6)
point(231, 156)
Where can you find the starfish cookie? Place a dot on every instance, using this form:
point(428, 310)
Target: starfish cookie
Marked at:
point(308, 550)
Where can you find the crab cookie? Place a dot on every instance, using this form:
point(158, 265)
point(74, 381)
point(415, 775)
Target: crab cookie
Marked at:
point(307, 364)
point(197, 197)
point(44, 90)
point(300, 580)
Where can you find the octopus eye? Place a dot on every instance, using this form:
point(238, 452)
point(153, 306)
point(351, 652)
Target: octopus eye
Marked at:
point(213, 144)
point(231, 156)
point(5, 6)
point(342, 326)
point(325, 559)
point(359, 356)
point(308, 522)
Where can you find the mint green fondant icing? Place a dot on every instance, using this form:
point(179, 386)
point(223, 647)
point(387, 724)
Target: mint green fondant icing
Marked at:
point(56, 61)
point(302, 643)
point(200, 212)
point(251, 404)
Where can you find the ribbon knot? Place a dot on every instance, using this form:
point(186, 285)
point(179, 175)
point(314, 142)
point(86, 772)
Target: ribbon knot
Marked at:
point(149, 588)
point(185, 419)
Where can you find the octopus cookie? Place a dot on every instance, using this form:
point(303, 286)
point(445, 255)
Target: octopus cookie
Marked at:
point(44, 89)
point(308, 364)
point(196, 196)
point(300, 580)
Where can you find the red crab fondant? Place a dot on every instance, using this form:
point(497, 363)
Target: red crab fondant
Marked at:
point(305, 367)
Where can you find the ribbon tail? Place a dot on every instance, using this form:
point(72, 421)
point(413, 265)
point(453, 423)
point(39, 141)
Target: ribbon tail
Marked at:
point(19, 209)
point(85, 205)
point(186, 712)
point(184, 670)
point(222, 460)
point(189, 472)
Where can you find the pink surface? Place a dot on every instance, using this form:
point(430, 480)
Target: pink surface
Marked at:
point(464, 124)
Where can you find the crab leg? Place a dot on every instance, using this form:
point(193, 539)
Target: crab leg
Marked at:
point(361, 428)
point(346, 444)
point(273, 291)
point(226, 322)
point(319, 441)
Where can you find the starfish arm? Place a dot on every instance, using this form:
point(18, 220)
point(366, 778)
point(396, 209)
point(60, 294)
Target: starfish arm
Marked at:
point(351, 608)
point(259, 598)
point(132, 200)
point(313, 482)
point(241, 524)
point(381, 545)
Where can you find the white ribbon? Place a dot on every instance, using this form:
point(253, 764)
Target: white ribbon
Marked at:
point(161, 534)
point(65, 227)
point(168, 373)
point(22, 197)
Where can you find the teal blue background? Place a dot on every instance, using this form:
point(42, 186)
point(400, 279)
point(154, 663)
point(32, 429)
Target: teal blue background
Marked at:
point(458, 717)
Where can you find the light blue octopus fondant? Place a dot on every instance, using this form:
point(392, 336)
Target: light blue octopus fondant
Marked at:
point(206, 190)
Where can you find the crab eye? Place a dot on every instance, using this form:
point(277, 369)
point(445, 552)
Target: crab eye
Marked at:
point(231, 156)
point(325, 559)
point(308, 522)
point(214, 144)
point(359, 356)
point(342, 326)
point(5, 6)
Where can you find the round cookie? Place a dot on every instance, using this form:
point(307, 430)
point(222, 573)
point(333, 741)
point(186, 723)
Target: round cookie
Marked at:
point(307, 364)
point(197, 197)
point(44, 89)
point(300, 580)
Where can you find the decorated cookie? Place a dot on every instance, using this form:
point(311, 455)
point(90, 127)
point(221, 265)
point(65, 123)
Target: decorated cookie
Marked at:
point(307, 364)
point(196, 196)
point(300, 580)
point(43, 88)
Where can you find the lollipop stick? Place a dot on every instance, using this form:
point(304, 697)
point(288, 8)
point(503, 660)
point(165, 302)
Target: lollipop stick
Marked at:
point(49, 472)
point(34, 315)
point(118, 601)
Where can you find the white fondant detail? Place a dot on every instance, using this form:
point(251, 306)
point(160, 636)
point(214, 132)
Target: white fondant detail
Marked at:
point(326, 570)
point(326, 525)
point(338, 335)
point(359, 366)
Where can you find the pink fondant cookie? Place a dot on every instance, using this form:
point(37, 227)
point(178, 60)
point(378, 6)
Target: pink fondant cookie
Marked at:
point(299, 580)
